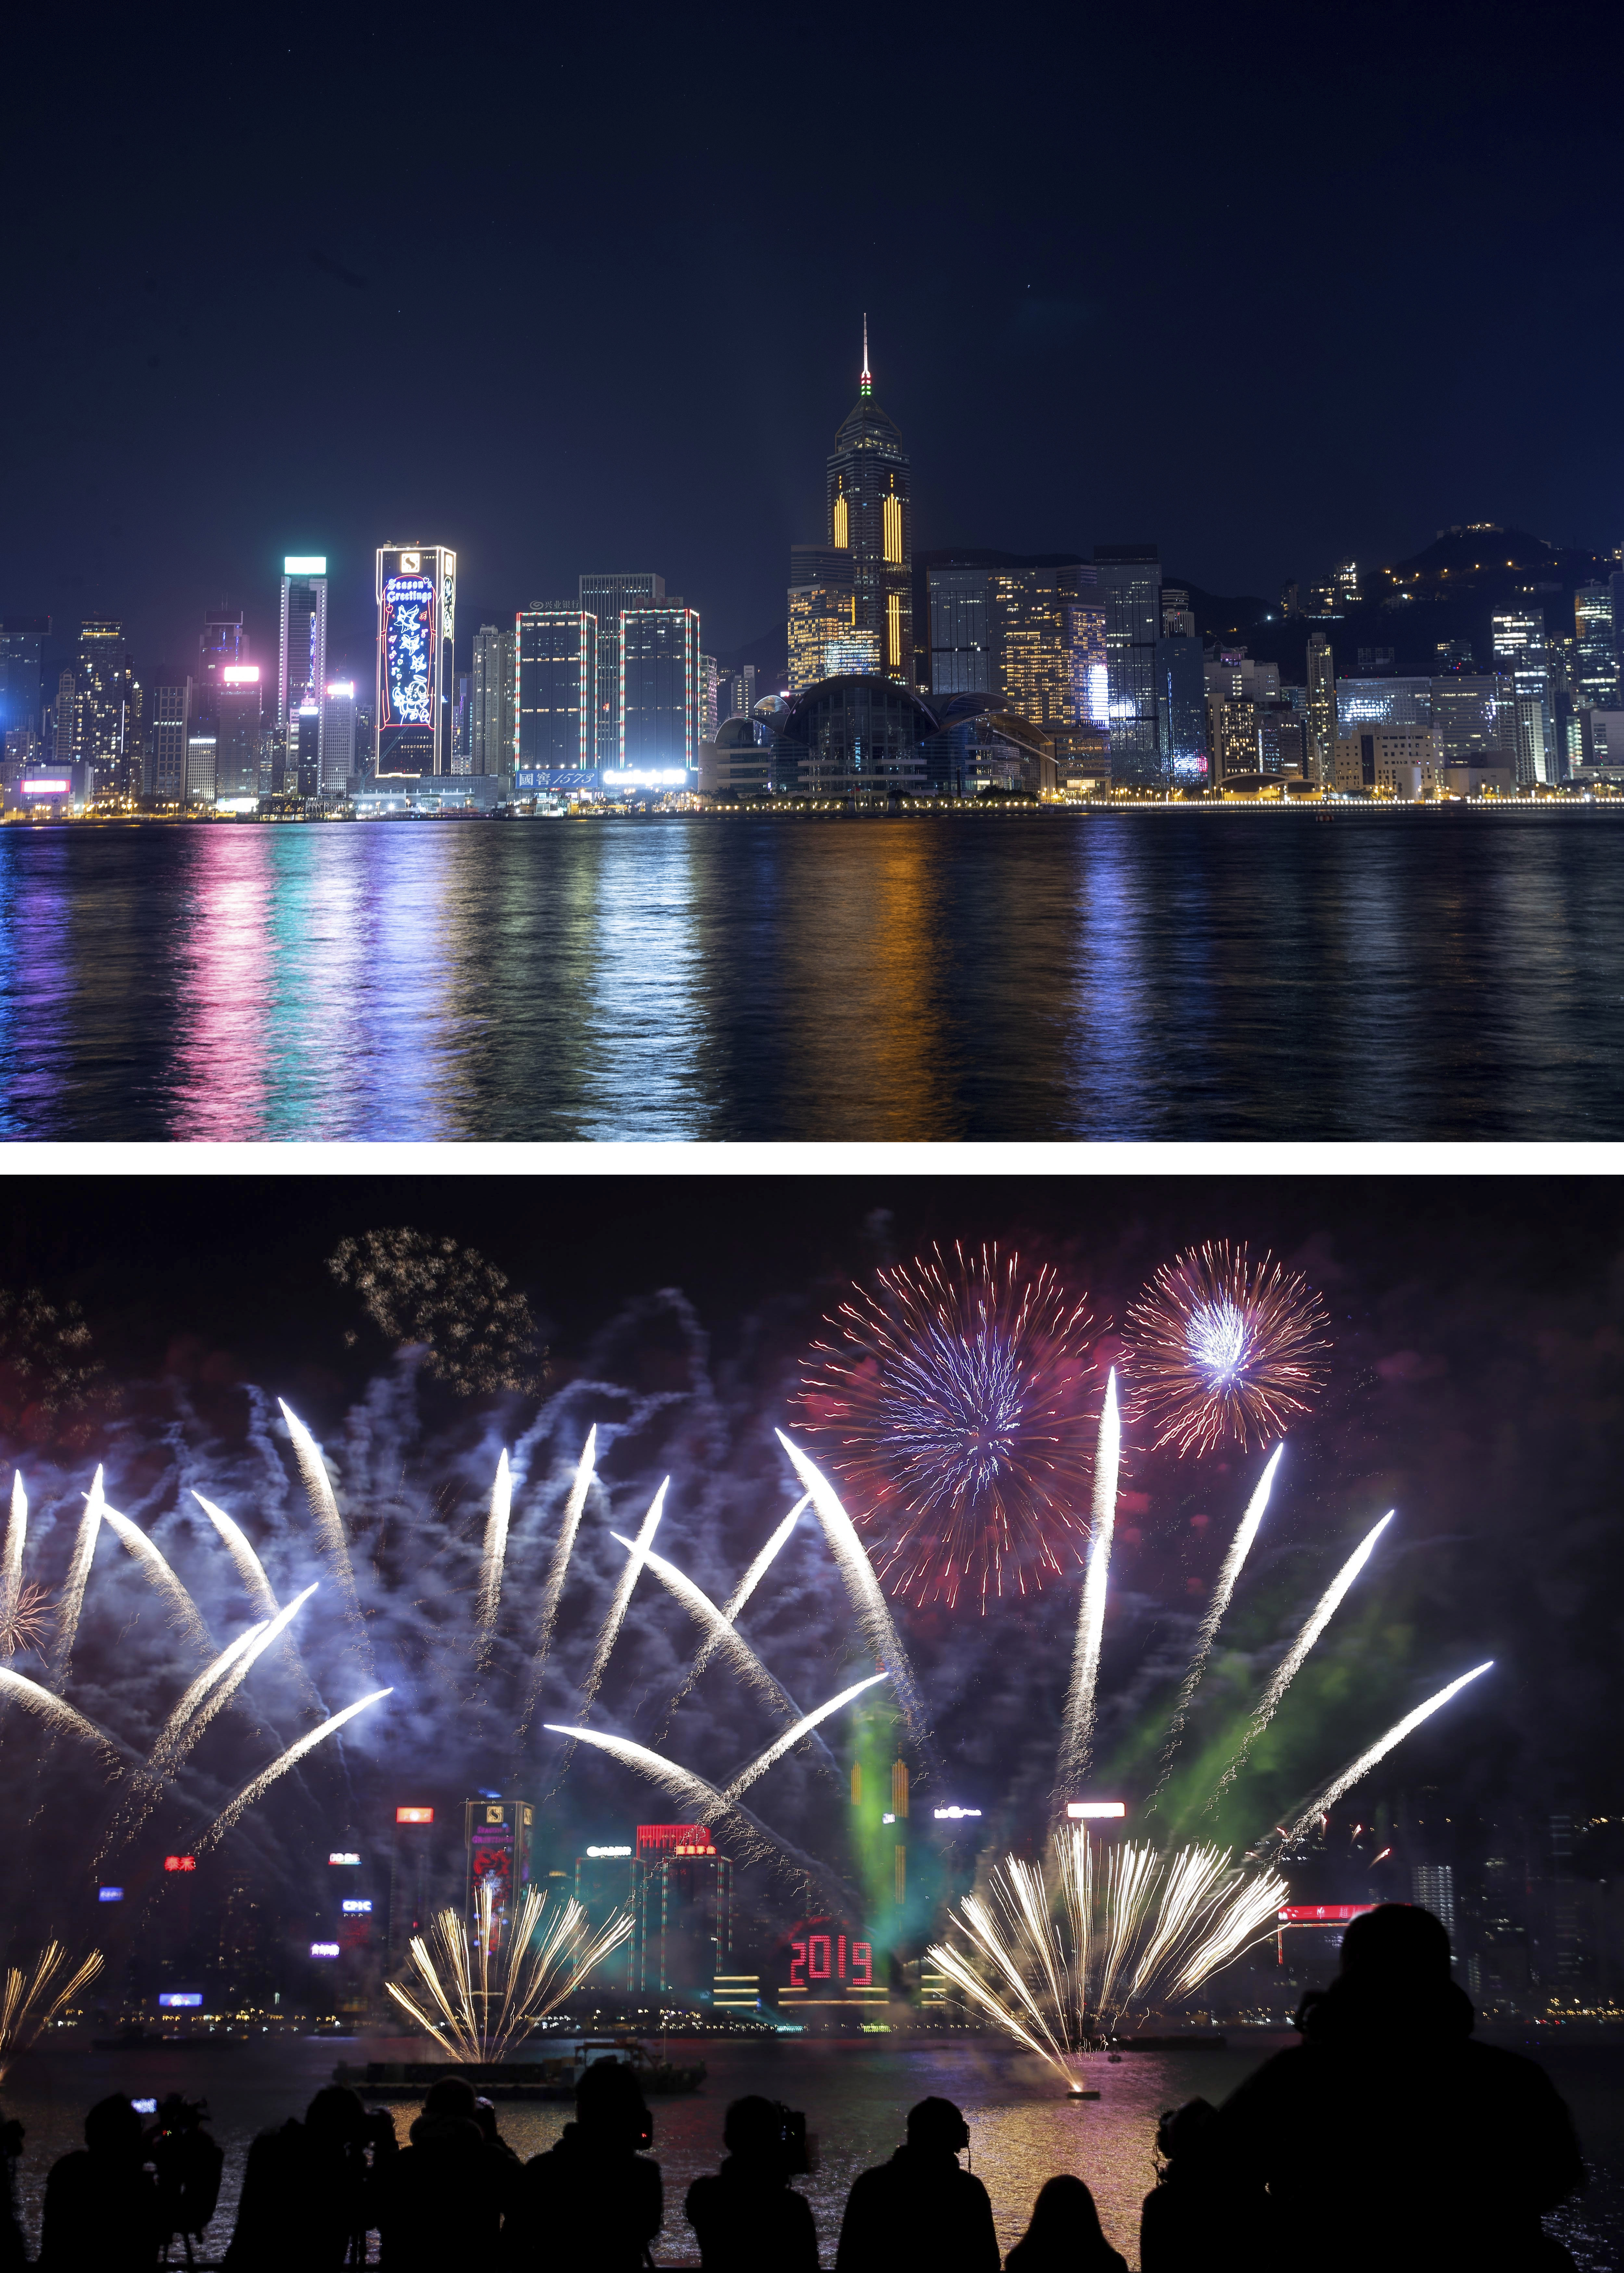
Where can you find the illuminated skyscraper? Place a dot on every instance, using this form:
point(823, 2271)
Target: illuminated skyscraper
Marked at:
point(1520, 652)
point(22, 651)
point(101, 704)
point(1128, 581)
point(871, 520)
point(415, 588)
point(167, 726)
point(604, 597)
point(302, 666)
point(558, 682)
point(493, 692)
point(682, 1908)
point(1598, 663)
point(1321, 706)
point(659, 697)
point(238, 725)
point(710, 698)
point(338, 737)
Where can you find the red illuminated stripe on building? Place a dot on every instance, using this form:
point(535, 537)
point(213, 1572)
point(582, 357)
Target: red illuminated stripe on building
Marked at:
point(1322, 1913)
point(674, 1839)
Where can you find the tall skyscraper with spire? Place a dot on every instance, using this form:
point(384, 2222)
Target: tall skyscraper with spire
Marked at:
point(871, 522)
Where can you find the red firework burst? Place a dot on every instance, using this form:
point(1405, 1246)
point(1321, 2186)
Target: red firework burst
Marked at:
point(953, 1403)
point(1223, 1347)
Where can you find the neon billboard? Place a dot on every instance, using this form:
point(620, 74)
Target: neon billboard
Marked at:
point(241, 674)
point(304, 564)
point(49, 786)
point(408, 651)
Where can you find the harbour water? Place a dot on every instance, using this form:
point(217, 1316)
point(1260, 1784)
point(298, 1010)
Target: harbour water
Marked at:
point(854, 2093)
point(1447, 974)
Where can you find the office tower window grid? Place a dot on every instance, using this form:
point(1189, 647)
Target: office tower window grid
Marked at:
point(659, 693)
point(557, 675)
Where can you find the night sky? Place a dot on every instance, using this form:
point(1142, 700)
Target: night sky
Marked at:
point(1476, 1325)
point(583, 289)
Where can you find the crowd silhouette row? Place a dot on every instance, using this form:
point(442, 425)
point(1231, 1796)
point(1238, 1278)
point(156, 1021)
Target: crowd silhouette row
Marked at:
point(1386, 2141)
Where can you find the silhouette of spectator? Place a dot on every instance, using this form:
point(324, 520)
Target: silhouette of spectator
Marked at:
point(1063, 2234)
point(441, 2201)
point(101, 2213)
point(1388, 2132)
point(1189, 2218)
point(920, 2209)
point(186, 2162)
point(484, 2116)
point(748, 2215)
point(14, 2247)
point(593, 2200)
point(306, 2189)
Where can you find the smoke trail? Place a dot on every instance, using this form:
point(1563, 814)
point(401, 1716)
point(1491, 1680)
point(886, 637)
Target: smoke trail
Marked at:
point(867, 1599)
point(1290, 1664)
point(693, 1791)
point(1077, 1736)
point(791, 1737)
point(622, 1598)
point(735, 1602)
point(295, 1753)
point(745, 1662)
point(1379, 1750)
point(250, 1570)
point(496, 1551)
point(58, 1714)
point(561, 1552)
point(184, 1612)
point(330, 1523)
point(16, 1530)
point(1240, 1547)
point(78, 1571)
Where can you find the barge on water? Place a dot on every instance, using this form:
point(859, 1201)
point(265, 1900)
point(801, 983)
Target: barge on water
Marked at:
point(554, 2077)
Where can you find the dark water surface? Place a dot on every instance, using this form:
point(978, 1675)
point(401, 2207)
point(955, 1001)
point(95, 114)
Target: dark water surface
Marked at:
point(1182, 974)
point(854, 2093)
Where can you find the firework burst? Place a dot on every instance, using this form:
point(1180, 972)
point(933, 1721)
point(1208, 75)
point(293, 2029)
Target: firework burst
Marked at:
point(24, 1617)
point(1223, 1348)
point(952, 1403)
point(477, 1994)
point(30, 2001)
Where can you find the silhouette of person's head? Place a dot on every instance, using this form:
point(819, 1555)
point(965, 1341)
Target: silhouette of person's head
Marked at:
point(451, 2100)
point(609, 2105)
point(1396, 1943)
point(113, 2127)
point(936, 2123)
point(1180, 2128)
point(336, 2115)
point(754, 2130)
point(1064, 2215)
point(484, 2116)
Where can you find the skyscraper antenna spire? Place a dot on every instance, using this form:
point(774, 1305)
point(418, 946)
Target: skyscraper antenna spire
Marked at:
point(867, 378)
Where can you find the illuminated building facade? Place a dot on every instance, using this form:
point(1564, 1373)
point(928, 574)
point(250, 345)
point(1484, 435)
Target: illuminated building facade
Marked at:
point(604, 597)
point(1387, 702)
point(238, 725)
point(710, 698)
point(302, 663)
point(1321, 706)
point(558, 690)
point(164, 775)
point(1594, 636)
point(1181, 706)
point(493, 690)
point(202, 762)
point(682, 1903)
point(416, 591)
point(221, 642)
point(1128, 586)
point(864, 740)
point(1474, 717)
point(497, 1836)
point(604, 1884)
point(659, 699)
point(102, 692)
point(870, 499)
point(820, 623)
point(22, 655)
point(1520, 653)
point(338, 737)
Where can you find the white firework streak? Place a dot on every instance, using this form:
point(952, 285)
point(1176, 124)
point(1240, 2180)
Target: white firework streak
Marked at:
point(250, 1570)
point(563, 1548)
point(184, 1615)
point(280, 1766)
point(736, 1602)
point(791, 1737)
point(78, 1571)
point(622, 1597)
point(1290, 1664)
point(1240, 1547)
point(495, 1553)
point(745, 1662)
point(1379, 1750)
point(149, 1779)
point(220, 1693)
point(11, 1563)
point(1077, 1738)
point(329, 1522)
point(56, 1713)
point(761, 1843)
point(867, 1599)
